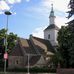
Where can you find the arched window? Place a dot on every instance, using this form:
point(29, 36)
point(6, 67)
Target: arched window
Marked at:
point(49, 36)
point(16, 62)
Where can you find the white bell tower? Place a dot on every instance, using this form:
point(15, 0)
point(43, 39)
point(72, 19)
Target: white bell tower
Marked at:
point(51, 32)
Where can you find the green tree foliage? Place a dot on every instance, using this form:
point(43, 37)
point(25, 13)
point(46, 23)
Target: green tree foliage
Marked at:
point(71, 7)
point(64, 44)
point(2, 36)
point(66, 39)
point(61, 54)
point(71, 45)
point(11, 41)
point(55, 60)
point(71, 29)
point(71, 12)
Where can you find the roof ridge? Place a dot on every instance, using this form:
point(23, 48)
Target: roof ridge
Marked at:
point(31, 46)
point(21, 46)
point(34, 45)
point(40, 38)
point(14, 49)
point(46, 42)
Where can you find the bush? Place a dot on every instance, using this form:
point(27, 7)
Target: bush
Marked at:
point(17, 70)
point(33, 70)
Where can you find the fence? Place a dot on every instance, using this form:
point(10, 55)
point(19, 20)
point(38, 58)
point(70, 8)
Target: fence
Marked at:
point(65, 71)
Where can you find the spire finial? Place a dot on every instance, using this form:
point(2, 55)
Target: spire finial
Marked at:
point(52, 17)
point(52, 7)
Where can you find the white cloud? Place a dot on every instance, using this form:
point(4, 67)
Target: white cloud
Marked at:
point(60, 21)
point(27, 0)
point(38, 32)
point(46, 5)
point(13, 1)
point(1, 12)
point(58, 4)
point(13, 13)
point(61, 5)
point(4, 5)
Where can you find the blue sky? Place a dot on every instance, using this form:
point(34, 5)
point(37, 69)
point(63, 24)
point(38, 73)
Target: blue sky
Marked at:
point(31, 16)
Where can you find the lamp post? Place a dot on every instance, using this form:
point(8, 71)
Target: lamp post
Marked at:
point(28, 63)
point(28, 55)
point(6, 54)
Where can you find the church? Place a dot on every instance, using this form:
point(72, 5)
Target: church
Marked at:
point(35, 51)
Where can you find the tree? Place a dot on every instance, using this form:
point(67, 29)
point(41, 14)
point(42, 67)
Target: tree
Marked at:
point(64, 44)
point(66, 39)
point(55, 60)
point(71, 29)
point(71, 7)
point(11, 41)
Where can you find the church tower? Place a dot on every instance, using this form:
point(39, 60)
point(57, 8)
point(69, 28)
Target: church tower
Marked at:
point(51, 32)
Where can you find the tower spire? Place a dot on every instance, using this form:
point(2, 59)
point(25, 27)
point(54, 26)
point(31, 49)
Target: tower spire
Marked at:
point(51, 32)
point(51, 7)
point(52, 17)
point(52, 11)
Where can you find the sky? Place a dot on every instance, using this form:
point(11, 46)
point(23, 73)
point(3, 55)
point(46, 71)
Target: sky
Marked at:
point(32, 16)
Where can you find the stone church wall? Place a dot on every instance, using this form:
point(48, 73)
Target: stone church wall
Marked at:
point(15, 61)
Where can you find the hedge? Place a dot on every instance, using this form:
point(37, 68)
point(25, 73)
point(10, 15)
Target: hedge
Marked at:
point(33, 70)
